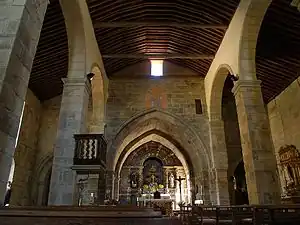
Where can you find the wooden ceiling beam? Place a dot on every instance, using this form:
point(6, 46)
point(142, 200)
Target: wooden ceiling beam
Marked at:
point(158, 24)
point(156, 56)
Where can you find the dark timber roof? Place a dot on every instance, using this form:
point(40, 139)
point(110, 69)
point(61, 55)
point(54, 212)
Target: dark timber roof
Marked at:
point(160, 27)
point(278, 48)
point(51, 60)
point(187, 33)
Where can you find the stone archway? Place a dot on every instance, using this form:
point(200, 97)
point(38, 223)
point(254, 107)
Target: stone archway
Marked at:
point(174, 149)
point(165, 168)
point(253, 19)
point(215, 106)
point(40, 191)
point(237, 50)
point(167, 123)
point(169, 127)
point(98, 101)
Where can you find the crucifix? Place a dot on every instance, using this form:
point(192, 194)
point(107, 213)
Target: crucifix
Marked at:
point(179, 179)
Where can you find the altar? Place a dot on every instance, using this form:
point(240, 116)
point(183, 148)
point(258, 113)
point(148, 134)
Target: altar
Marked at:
point(153, 169)
point(165, 204)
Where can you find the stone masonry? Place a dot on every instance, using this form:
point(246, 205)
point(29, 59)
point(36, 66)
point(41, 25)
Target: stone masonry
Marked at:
point(284, 116)
point(176, 95)
point(72, 120)
point(258, 153)
point(20, 26)
point(26, 151)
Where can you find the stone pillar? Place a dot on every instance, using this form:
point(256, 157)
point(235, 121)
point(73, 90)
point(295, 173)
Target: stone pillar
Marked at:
point(102, 191)
point(117, 187)
point(218, 174)
point(72, 120)
point(110, 181)
point(258, 153)
point(20, 26)
point(166, 177)
point(141, 178)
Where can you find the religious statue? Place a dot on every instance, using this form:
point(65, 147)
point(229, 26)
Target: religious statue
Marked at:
point(171, 180)
point(153, 179)
point(133, 180)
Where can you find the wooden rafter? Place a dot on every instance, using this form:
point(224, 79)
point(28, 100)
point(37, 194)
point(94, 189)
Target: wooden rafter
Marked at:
point(156, 56)
point(158, 24)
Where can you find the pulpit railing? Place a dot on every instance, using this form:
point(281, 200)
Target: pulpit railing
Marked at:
point(90, 149)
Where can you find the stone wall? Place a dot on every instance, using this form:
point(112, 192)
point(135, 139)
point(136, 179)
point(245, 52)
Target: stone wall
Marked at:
point(45, 146)
point(33, 156)
point(284, 116)
point(174, 94)
point(26, 151)
point(48, 128)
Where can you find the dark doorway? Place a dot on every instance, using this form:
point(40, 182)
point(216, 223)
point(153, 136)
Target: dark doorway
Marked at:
point(46, 188)
point(240, 192)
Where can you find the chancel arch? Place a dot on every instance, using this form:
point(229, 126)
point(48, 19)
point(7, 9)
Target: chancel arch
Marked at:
point(153, 167)
point(173, 156)
point(165, 122)
point(162, 125)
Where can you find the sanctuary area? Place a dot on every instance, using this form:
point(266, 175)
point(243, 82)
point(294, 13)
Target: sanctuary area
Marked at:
point(151, 104)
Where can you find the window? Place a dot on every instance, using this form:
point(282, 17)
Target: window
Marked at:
point(20, 123)
point(156, 67)
point(198, 106)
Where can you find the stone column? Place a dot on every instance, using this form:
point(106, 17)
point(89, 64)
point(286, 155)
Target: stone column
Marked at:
point(72, 120)
point(110, 181)
point(141, 178)
point(166, 177)
point(20, 26)
point(258, 153)
point(218, 174)
point(117, 187)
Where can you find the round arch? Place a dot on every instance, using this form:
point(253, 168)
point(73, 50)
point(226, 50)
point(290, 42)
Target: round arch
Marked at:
point(238, 46)
point(98, 100)
point(81, 40)
point(250, 29)
point(215, 110)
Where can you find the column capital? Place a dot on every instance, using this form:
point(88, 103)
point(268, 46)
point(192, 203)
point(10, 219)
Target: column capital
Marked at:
point(245, 84)
point(74, 81)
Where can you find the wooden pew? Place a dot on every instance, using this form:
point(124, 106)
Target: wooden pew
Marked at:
point(257, 215)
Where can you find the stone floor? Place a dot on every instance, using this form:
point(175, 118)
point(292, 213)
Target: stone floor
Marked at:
point(84, 216)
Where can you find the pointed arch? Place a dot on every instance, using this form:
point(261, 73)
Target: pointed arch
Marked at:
point(42, 176)
point(166, 125)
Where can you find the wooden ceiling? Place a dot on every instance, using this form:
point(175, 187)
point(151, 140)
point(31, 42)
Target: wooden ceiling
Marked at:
point(278, 48)
point(51, 60)
point(187, 33)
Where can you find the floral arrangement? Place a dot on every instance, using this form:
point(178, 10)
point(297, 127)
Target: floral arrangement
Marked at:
point(152, 187)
